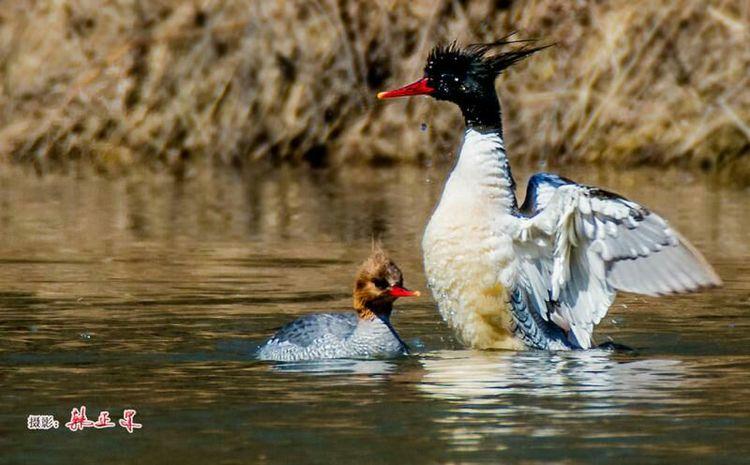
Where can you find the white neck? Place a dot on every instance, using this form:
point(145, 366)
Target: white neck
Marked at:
point(483, 164)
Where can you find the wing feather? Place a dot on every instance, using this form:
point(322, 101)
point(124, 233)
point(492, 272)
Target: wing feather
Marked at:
point(588, 243)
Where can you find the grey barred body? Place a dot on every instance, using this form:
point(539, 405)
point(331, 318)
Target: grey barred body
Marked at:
point(332, 335)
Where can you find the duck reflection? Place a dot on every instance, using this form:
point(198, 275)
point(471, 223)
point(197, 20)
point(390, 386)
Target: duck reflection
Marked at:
point(338, 367)
point(491, 394)
point(488, 377)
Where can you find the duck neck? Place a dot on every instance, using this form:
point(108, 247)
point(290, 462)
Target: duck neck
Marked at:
point(483, 168)
point(481, 111)
point(380, 312)
point(482, 159)
point(371, 310)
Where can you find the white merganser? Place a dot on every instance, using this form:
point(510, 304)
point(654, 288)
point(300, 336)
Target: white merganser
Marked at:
point(365, 333)
point(542, 275)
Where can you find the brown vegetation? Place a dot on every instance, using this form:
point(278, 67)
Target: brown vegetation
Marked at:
point(120, 82)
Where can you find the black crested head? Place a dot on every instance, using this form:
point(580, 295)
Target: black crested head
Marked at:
point(454, 71)
point(466, 76)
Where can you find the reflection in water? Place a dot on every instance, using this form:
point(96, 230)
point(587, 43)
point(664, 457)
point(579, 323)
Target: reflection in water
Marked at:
point(537, 394)
point(151, 293)
point(483, 377)
point(337, 367)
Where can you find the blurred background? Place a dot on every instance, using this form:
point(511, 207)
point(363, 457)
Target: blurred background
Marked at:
point(173, 84)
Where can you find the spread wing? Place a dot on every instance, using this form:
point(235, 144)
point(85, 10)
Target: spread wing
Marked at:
point(578, 245)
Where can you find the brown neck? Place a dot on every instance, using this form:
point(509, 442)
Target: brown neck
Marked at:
point(369, 310)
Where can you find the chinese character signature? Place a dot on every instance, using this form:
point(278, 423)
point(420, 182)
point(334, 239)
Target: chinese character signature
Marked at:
point(41, 422)
point(79, 421)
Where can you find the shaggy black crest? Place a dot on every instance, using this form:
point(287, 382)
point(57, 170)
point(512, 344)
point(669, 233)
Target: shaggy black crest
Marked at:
point(478, 59)
point(466, 77)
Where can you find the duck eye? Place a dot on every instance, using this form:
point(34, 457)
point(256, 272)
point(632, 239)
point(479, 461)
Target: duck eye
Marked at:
point(380, 283)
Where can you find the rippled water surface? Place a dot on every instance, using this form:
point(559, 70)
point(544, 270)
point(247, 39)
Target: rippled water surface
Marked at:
point(152, 294)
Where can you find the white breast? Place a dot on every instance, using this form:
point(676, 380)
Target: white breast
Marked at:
point(466, 253)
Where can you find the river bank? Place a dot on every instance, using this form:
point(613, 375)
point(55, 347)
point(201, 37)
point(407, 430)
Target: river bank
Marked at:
point(120, 84)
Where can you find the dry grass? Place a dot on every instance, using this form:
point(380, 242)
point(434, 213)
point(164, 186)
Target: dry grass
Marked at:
point(123, 82)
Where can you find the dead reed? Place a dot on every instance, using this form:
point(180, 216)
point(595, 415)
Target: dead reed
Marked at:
point(129, 82)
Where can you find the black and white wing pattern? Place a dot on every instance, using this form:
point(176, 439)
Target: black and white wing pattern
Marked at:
point(577, 245)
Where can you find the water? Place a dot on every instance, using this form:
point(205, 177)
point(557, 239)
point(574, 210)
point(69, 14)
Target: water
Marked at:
point(152, 294)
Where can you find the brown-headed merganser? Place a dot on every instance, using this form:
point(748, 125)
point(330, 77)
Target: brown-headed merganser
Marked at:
point(367, 332)
point(543, 274)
